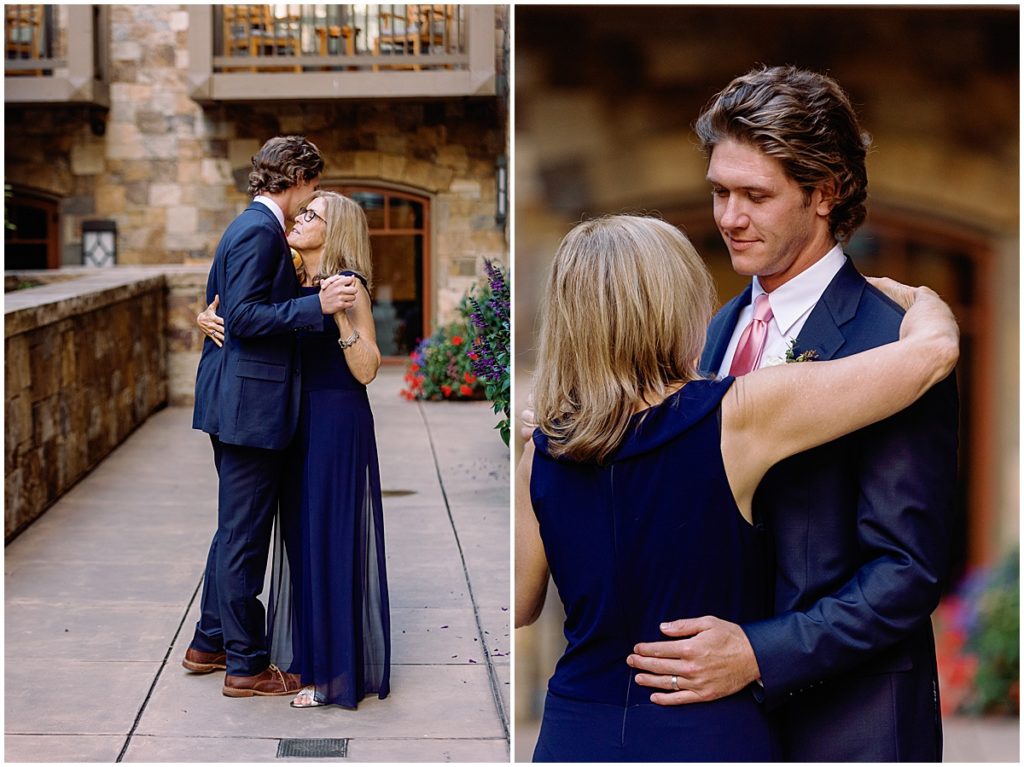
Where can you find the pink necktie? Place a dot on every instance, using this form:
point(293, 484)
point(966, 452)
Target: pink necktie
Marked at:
point(751, 345)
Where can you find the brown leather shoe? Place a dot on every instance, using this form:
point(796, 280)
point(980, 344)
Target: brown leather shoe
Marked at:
point(199, 662)
point(272, 681)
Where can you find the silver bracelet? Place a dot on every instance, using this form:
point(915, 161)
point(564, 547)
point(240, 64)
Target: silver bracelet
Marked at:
point(345, 343)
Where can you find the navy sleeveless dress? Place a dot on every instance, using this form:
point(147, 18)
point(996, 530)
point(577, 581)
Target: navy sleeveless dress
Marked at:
point(329, 619)
point(652, 535)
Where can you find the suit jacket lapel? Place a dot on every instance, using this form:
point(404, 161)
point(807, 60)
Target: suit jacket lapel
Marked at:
point(837, 306)
point(720, 332)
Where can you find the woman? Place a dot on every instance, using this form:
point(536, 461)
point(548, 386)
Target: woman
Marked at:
point(328, 617)
point(636, 490)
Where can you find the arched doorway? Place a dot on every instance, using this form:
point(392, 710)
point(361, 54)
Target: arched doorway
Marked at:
point(399, 224)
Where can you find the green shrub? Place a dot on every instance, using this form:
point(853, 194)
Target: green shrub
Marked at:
point(994, 639)
point(487, 311)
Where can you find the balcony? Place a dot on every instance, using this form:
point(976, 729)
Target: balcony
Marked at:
point(56, 54)
point(306, 52)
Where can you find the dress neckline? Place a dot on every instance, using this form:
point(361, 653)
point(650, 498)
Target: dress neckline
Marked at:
point(659, 424)
point(663, 401)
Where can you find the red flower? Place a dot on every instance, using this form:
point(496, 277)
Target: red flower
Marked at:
point(473, 357)
point(446, 389)
point(413, 367)
point(457, 340)
point(469, 378)
point(465, 391)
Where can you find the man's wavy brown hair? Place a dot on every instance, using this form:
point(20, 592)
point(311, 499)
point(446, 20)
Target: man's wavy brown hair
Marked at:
point(805, 121)
point(284, 162)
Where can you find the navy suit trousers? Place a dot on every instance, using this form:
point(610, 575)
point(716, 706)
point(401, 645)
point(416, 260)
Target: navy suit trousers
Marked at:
point(232, 617)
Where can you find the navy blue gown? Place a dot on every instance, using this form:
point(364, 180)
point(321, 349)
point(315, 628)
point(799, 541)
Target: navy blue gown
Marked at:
point(329, 620)
point(651, 535)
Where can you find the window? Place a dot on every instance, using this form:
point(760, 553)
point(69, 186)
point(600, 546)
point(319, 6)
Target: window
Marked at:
point(399, 239)
point(31, 241)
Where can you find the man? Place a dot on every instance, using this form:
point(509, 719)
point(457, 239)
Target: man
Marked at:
point(247, 399)
point(861, 526)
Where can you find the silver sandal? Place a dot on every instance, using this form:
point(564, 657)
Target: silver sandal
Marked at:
point(307, 698)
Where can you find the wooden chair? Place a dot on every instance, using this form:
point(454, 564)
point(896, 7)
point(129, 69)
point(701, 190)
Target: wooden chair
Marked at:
point(422, 28)
point(24, 35)
point(252, 30)
point(344, 32)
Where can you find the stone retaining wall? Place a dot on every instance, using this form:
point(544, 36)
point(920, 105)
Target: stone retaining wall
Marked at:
point(88, 359)
point(184, 298)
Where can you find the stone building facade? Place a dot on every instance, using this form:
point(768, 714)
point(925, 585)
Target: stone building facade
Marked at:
point(92, 353)
point(171, 172)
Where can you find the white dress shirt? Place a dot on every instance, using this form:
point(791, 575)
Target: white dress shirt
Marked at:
point(791, 305)
point(274, 208)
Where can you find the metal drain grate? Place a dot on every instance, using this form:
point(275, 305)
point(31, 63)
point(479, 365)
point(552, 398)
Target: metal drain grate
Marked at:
point(313, 748)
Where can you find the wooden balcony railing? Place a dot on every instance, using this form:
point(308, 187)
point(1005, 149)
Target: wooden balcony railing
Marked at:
point(60, 53)
point(341, 50)
point(28, 38)
point(56, 54)
point(339, 37)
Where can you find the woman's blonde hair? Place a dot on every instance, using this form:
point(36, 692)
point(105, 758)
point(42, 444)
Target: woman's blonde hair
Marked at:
point(346, 239)
point(627, 307)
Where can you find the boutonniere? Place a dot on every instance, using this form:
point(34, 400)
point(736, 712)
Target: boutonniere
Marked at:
point(791, 356)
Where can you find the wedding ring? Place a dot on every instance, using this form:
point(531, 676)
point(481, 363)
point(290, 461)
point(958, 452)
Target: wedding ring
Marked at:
point(675, 683)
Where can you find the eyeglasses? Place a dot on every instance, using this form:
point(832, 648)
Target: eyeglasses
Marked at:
point(308, 214)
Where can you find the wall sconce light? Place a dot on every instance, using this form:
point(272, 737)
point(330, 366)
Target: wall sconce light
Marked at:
point(99, 243)
point(501, 188)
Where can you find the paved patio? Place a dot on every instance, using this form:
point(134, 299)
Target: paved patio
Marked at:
point(101, 597)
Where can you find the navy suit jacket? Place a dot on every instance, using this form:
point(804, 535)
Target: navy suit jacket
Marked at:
point(862, 536)
point(247, 392)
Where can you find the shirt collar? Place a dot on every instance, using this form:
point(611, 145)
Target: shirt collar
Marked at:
point(795, 298)
point(274, 208)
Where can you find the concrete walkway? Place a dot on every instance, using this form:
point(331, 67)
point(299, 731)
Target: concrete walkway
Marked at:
point(101, 597)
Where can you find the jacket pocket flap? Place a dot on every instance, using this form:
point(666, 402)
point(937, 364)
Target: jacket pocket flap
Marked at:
point(265, 371)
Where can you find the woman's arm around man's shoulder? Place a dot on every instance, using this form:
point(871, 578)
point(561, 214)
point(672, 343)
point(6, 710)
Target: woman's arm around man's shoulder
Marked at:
point(776, 412)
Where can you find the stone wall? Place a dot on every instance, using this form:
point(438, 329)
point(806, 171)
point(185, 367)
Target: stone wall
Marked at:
point(184, 297)
point(172, 173)
point(445, 150)
point(88, 358)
